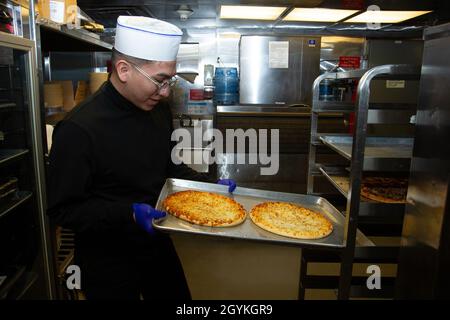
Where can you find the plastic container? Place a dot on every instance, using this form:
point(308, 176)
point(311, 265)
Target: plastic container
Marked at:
point(326, 90)
point(226, 83)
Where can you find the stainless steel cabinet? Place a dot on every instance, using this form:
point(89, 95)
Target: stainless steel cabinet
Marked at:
point(278, 69)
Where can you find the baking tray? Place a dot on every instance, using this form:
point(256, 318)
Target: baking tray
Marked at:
point(340, 180)
point(8, 188)
point(248, 230)
point(376, 147)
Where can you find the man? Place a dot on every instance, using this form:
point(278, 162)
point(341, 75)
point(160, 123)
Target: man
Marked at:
point(110, 157)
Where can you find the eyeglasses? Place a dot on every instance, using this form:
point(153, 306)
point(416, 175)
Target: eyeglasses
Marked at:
point(161, 85)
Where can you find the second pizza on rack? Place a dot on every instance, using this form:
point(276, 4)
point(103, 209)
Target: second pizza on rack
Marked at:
point(385, 189)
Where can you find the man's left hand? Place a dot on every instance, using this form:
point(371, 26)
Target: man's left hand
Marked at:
point(228, 182)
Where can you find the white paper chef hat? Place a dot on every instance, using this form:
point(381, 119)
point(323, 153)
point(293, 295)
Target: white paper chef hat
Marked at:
point(147, 38)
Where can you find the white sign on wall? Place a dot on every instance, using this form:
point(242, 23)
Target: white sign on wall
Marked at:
point(395, 84)
point(279, 54)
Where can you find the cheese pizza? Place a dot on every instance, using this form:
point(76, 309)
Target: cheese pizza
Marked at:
point(205, 208)
point(291, 220)
point(387, 190)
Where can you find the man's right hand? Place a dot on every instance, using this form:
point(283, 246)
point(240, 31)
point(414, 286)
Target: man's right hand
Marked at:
point(144, 215)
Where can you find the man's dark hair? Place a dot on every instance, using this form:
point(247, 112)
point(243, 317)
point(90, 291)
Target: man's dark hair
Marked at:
point(116, 56)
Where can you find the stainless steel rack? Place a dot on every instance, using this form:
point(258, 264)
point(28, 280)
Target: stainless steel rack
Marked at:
point(20, 198)
point(25, 261)
point(380, 153)
point(75, 39)
point(53, 37)
point(7, 155)
point(364, 154)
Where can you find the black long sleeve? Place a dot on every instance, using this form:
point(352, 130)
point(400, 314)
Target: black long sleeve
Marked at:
point(106, 155)
point(71, 173)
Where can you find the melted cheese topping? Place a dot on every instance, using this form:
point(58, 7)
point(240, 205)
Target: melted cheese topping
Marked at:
point(290, 220)
point(205, 208)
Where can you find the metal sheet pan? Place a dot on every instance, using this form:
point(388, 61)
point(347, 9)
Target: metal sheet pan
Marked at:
point(376, 147)
point(248, 230)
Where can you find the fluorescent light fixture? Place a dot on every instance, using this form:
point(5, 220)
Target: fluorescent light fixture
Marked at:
point(338, 39)
point(230, 35)
point(318, 14)
point(382, 16)
point(251, 12)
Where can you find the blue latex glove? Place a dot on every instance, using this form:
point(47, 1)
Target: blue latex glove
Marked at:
point(144, 215)
point(228, 182)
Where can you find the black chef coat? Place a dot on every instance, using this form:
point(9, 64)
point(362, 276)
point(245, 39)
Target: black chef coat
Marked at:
point(107, 154)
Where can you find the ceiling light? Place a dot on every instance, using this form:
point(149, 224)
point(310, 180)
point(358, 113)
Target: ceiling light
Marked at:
point(230, 35)
point(251, 12)
point(338, 39)
point(318, 14)
point(380, 16)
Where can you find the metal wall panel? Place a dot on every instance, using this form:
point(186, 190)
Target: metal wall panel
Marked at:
point(394, 52)
point(425, 252)
point(334, 47)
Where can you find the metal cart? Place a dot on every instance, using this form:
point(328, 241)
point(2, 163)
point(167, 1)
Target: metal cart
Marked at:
point(364, 154)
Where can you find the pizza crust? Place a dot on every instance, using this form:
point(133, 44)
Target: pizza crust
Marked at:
point(291, 220)
point(205, 208)
point(367, 192)
point(386, 190)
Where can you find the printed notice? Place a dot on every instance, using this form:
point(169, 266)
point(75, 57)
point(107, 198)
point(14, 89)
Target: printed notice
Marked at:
point(395, 84)
point(57, 11)
point(279, 54)
point(197, 108)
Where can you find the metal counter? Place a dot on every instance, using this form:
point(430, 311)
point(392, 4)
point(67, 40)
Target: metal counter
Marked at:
point(270, 110)
point(381, 153)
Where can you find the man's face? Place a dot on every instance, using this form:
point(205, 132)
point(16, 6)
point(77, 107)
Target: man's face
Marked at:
point(142, 92)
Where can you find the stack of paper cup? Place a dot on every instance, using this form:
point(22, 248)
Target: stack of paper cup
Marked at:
point(53, 95)
point(68, 96)
point(96, 79)
point(81, 92)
